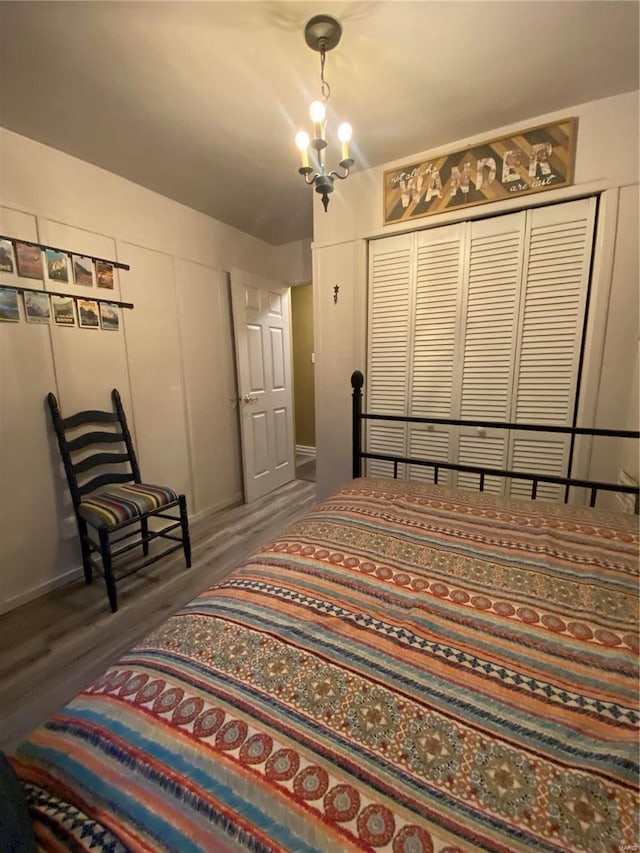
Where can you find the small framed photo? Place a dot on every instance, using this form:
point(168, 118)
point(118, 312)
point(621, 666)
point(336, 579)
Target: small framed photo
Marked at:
point(64, 313)
point(109, 317)
point(7, 263)
point(57, 266)
point(37, 308)
point(88, 314)
point(9, 305)
point(82, 270)
point(104, 274)
point(28, 260)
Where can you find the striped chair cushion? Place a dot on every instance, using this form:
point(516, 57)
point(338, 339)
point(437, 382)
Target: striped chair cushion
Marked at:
point(118, 503)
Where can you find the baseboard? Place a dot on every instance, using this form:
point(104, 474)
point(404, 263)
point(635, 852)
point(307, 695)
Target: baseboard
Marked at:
point(303, 450)
point(42, 589)
point(234, 500)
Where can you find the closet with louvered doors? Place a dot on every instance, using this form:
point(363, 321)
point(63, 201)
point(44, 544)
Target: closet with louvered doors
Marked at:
point(480, 320)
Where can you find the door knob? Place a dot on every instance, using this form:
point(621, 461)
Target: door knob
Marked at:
point(248, 398)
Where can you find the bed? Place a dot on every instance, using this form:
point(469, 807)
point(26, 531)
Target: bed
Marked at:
point(408, 668)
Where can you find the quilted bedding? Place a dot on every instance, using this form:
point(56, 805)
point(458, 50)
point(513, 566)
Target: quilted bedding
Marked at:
point(405, 669)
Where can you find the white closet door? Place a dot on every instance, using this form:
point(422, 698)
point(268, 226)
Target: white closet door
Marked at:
point(436, 344)
point(391, 272)
point(480, 320)
point(556, 275)
point(491, 308)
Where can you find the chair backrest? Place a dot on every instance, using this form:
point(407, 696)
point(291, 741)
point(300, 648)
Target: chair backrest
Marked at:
point(82, 448)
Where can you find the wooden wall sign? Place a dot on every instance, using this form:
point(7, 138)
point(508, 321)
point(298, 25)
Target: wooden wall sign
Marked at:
point(531, 161)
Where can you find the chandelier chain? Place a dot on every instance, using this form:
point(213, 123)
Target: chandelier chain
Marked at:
point(324, 86)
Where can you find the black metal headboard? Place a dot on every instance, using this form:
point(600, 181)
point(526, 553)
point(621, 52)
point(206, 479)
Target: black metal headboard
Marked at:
point(359, 453)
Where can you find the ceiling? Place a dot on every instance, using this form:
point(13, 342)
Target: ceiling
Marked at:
point(200, 101)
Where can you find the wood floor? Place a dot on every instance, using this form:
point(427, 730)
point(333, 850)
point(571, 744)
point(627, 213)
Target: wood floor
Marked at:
point(55, 646)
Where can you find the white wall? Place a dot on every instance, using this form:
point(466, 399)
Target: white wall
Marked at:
point(607, 162)
point(297, 257)
point(172, 359)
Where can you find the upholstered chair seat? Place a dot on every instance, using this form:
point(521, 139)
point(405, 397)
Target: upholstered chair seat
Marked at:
point(119, 503)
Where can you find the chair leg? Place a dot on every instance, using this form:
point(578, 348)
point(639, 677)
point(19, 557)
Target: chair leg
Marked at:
point(184, 523)
point(144, 527)
point(85, 548)
point(109, 580)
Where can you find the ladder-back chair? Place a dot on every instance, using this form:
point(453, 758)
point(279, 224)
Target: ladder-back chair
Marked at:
point(113, 507)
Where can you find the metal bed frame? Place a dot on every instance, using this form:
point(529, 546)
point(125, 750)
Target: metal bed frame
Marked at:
point(359, 453)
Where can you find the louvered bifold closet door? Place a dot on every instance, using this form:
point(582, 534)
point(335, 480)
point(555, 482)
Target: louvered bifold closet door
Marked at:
point(436, 345)
point(557, 262)
point(490, 311)
point(391, 272)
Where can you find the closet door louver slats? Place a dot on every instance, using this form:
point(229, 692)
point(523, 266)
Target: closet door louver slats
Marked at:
point(492, 303)
point(438, 283)
point(385, 438)
point(538, 455)
point(439, 263)
point(389, 340)
point(487, 451)
point(494, 275)
point(556, 279)
point(429, 444)
point(556, 272)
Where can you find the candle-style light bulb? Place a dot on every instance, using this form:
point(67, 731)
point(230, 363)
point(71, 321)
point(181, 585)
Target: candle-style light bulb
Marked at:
point(302, 141)
point(317, 113)
point(344, 135)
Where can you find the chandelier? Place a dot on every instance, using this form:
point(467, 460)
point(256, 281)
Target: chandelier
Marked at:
point(322, 33)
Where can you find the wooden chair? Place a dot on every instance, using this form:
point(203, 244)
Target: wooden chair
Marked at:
point(108, 504)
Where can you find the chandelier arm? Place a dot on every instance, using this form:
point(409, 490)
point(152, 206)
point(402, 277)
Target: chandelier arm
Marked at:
point(334, 174)
point(308, 178)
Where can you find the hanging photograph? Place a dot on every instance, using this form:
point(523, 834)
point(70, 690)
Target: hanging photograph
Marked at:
point(63, 311)
point(88, 314)
point(57, 266)
point(109, 317)
point(6, 256)
point(36, 307)
point(28, 260)
point(82, 270)
point(9, 305)
point(104, 274)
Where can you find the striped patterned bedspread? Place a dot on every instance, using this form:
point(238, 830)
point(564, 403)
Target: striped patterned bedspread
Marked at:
point(406, 669)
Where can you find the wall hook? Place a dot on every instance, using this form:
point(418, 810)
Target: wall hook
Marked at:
point(336, 290)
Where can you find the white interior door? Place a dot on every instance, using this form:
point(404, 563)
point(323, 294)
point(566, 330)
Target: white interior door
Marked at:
point(263, 359)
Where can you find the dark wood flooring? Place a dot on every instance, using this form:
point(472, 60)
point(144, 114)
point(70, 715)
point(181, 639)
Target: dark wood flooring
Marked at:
point(306, 469)
point(55, 646)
